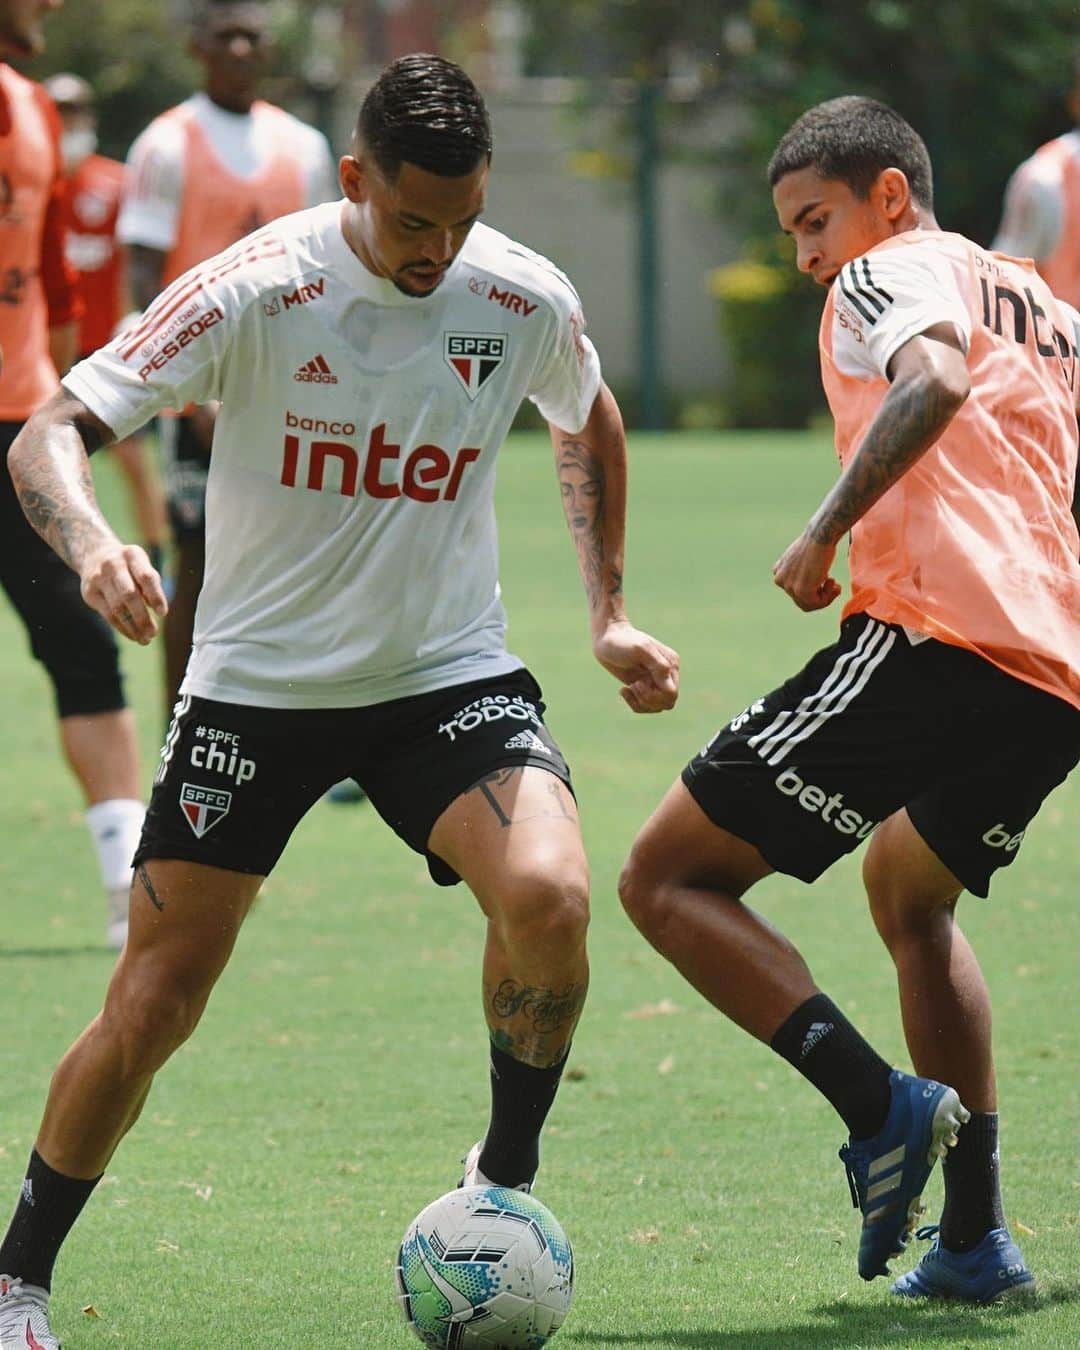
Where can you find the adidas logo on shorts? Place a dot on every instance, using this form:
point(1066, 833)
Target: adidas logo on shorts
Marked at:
point(527, 740)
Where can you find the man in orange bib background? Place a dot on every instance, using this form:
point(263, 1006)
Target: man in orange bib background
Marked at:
point(39, 312)
point(944, 715)
point(95, 191)
point(203, 175)
point(1041, 219)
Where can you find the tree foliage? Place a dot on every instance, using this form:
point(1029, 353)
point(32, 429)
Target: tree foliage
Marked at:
point(135, 55)
point(982, 80)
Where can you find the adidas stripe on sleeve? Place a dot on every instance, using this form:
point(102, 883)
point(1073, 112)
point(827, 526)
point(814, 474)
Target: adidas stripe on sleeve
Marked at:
point(884, 299)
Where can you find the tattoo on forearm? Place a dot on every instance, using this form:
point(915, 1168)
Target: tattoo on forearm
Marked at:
point(148, 886)
point(63, 533)
point(908, 422)
point(495, 788)
point(56, 491)
point(546, 1009)
point(584, 493)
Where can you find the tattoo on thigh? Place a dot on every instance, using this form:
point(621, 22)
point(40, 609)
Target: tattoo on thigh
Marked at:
point(546, 1009)
point(493, 789)
point(148, 885)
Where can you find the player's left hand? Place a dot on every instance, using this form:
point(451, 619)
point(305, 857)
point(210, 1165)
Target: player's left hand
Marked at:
point(647, 669)
point(803, 572)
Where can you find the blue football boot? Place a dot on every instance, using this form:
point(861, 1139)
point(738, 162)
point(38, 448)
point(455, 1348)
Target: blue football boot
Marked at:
point(887, 1173)
point(991, 1271)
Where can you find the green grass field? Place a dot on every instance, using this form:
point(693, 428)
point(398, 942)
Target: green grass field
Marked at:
point(340, 1071)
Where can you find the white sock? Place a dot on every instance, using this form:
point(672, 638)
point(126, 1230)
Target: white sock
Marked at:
point(115, 826)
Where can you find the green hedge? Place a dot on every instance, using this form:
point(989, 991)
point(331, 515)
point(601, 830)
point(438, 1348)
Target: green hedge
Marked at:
point(769, 315)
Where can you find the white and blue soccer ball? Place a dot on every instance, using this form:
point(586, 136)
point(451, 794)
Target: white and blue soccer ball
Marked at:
point(485, 1268)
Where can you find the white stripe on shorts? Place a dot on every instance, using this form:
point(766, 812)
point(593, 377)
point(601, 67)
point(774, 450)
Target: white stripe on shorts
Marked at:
point(847, 679)
point(183, 703)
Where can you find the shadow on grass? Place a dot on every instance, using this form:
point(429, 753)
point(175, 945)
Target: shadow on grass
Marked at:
point(88, 949)
point(845, 1324)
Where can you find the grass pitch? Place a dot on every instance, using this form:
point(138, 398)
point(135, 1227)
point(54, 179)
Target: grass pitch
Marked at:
point(340, 1071)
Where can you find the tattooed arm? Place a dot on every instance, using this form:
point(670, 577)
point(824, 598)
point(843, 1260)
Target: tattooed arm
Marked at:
point(51, 472)
point(930, 382)
point(591, 465)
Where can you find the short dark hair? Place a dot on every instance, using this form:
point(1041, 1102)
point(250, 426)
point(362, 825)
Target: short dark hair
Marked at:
point(425, 110)
point(854, 139)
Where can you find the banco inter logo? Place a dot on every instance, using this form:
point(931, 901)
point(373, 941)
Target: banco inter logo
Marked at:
point(474, 357)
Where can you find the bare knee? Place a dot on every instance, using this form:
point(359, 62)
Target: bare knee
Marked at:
point(645, 894)
point(654, 891)
point(545, 912)
point(910, 892)
point(148, 1017)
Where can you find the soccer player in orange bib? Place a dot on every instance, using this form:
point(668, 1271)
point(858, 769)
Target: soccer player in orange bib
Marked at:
point(38, 317)
point(95, 190)
point(203, 175)
point(946, 712)
point(1041, 219)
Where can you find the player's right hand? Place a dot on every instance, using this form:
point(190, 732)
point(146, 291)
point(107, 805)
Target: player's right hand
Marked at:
point(803, 571)
point(122, 585)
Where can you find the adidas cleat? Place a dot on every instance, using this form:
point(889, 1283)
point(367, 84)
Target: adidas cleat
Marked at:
point(474, 1177)
point(24, 1317)
point(887, 1173)
point(991, 1271)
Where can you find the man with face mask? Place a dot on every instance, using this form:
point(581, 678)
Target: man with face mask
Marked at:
point(95, 190)
point(38, 314)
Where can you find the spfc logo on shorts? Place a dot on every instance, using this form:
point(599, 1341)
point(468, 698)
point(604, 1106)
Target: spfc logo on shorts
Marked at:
point(203, 807)
point(474, 357)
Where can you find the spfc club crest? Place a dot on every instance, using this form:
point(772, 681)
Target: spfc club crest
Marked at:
point(203, 807)
point(474, 357)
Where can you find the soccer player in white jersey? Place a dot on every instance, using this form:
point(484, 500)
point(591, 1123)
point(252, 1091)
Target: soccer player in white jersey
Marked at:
point(369, 356)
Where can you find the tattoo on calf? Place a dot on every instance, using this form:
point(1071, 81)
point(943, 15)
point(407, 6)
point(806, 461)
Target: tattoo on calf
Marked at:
point(546, 1009)
point(148, 886)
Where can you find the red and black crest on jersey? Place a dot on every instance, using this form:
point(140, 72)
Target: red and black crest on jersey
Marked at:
point(474, 357)
point(203, 807)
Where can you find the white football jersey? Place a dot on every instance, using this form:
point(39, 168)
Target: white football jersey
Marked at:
point(351, 549)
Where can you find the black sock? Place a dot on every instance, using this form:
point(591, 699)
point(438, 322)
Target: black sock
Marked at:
point(972, 1185)
point(827, 1050)
point(521, 1097)
point(48, 1206)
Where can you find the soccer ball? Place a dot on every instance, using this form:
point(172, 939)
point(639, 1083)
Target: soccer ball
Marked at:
point(485, 1268)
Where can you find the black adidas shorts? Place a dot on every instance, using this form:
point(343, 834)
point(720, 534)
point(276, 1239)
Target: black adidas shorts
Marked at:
point(875, 723)
point(234, 781)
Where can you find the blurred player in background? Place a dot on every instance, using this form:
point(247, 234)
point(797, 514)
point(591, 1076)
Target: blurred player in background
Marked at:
point(944, 715)
point(202, 175)
point(38, 329)
point(95, 189)
point(1041, 219)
